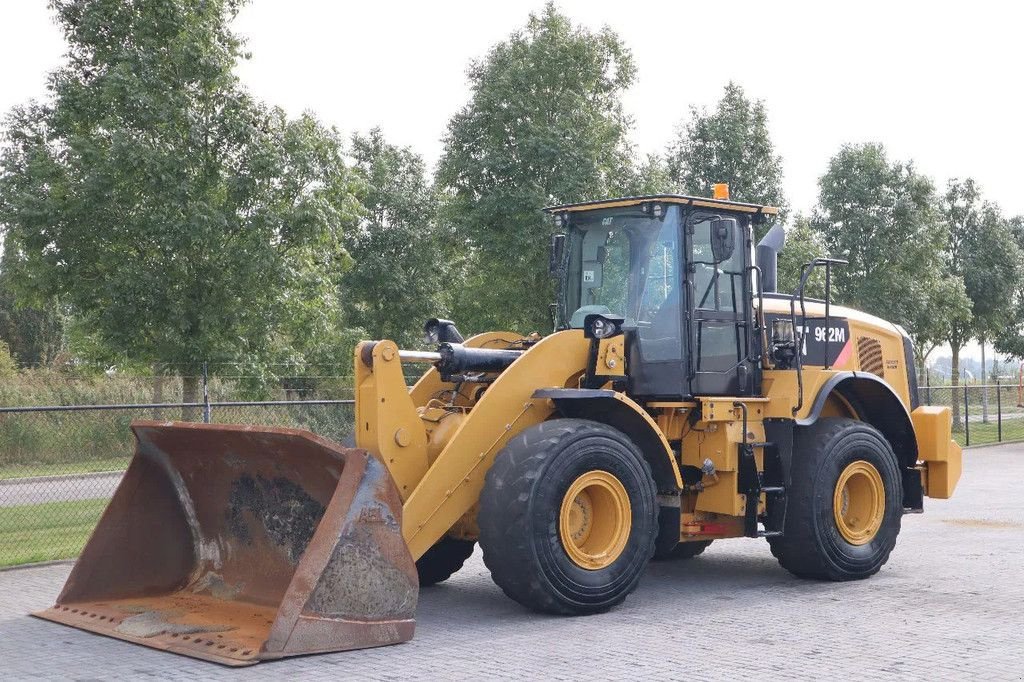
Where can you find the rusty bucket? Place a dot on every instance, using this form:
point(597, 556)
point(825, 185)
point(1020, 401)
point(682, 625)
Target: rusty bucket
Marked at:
point(237, 544)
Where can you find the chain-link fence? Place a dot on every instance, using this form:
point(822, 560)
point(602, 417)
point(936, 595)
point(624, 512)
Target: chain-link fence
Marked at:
point(60, 465)
point(982, 414)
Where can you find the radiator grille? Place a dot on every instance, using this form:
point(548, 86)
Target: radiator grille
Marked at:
point(869, 351)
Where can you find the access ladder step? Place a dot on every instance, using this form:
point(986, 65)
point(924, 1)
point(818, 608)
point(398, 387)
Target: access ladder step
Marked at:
point(769, 533)
point(773, 490)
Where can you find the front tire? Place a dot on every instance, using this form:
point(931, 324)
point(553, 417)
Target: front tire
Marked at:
point(845, 502)
point(442, 560)
point(568, 517)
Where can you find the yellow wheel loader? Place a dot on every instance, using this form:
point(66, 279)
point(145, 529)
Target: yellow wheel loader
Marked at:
point(681, 400)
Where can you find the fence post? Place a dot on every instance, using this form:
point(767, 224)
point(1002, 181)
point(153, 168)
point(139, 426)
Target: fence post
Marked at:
point(999, 412)
point(967, 419)
point(206, 395)
point(928, 384)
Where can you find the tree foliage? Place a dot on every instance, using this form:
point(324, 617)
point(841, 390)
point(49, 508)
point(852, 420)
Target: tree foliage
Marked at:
point(179, 218)
point(649, 176)
point(8, 365)
point(403, 260)
point(1010, 339)
point(152, 209)
point(34, 334)
point(730, 144)
point(882, 216)
point(803, 245)
point(544, 125)
point(984, 252)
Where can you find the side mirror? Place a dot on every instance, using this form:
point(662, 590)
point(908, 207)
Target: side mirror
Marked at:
point(783, 342)
point(598, 326)
point(556, 253)
point(723, 238)
point(441, 331)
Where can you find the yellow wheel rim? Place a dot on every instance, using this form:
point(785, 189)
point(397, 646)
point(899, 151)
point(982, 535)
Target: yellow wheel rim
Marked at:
point(859, 502)
point(595, 519)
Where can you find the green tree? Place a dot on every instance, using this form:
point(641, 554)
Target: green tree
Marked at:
point(544, 125)
point(882, 217)
point(983, 252)
point(8, 365)
point(943, 304)
point(403, 262)
point(803, 245)
point(34, 334)
point(180, 219)
point(730, 144)
point(648, 176)
point(1010, 339)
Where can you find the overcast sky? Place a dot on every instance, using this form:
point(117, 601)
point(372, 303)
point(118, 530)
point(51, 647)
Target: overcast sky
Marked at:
point(939, 83)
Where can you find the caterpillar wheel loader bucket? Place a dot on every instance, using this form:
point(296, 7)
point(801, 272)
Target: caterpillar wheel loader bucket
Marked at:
point(237, 544)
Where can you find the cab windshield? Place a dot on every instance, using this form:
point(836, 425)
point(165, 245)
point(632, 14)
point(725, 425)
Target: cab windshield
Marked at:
point(624, 262)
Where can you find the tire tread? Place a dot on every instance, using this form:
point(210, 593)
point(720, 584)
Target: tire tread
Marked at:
point(798, 549)
point(505, 511)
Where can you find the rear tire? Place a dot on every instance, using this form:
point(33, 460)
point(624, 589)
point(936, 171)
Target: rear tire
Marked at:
point(667, 546)
point(844, 461)
point(442, 560)
point(684, 550)
point(568, 517)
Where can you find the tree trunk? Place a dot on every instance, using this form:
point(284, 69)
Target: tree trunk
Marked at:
point(923, 379)
point(190, 394)
point(158, 388)
point(954, 395)
point(1020, 384)
point(984, 385)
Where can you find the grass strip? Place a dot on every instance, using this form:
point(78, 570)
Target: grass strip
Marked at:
point(48, 531)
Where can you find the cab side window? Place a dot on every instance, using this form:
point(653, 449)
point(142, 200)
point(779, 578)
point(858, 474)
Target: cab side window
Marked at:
point(716, 286)
point(659, 319)
point(718, 298)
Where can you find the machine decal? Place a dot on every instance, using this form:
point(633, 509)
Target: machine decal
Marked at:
point(816, 338)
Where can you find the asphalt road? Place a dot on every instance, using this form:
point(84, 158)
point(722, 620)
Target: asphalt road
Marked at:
point(948, 605)
point(16, 492)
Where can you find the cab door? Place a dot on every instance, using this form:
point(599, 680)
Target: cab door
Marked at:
point(656, 343)
point(721, 311)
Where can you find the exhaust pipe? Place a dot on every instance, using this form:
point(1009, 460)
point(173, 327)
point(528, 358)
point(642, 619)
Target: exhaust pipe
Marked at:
point(767, 257)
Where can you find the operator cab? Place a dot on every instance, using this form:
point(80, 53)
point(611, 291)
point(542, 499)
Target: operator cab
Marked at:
point(677, 270)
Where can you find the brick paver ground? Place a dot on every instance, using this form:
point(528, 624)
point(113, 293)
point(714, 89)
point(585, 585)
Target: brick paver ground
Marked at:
point(949, 604)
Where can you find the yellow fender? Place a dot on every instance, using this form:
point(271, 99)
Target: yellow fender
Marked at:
point(623, 413)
